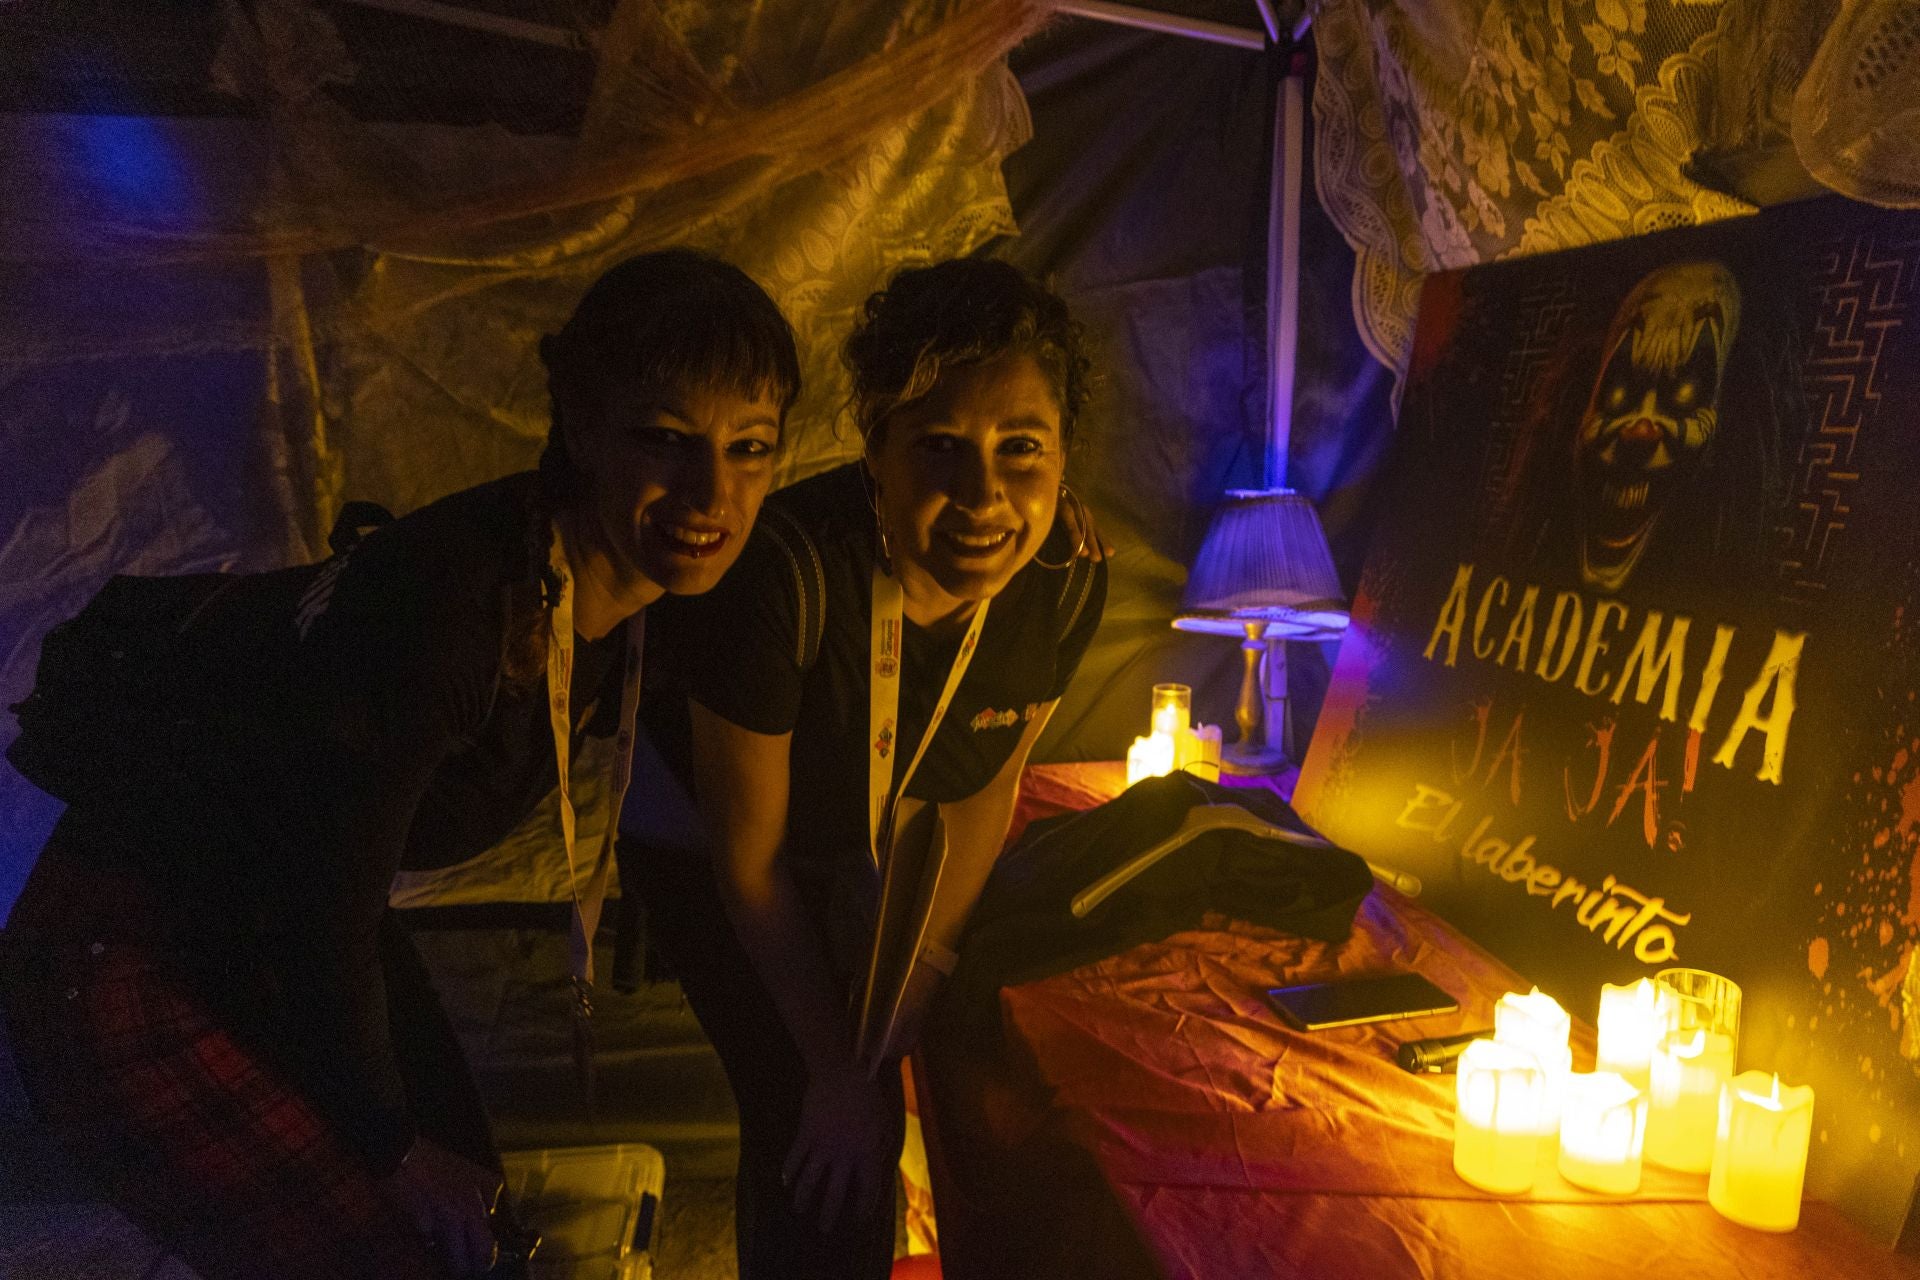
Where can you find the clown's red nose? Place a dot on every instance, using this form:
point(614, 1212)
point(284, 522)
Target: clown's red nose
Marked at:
point(1642, 430)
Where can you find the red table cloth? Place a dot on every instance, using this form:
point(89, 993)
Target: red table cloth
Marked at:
point(1151, 1115)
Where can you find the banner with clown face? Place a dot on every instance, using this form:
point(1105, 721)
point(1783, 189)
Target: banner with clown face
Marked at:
point(1649, 423)
point(1634, 675)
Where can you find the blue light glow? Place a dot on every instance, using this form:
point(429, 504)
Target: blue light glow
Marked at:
point(132, 165)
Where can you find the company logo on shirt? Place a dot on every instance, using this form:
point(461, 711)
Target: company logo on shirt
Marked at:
point(991, 719)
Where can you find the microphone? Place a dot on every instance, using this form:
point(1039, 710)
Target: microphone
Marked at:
point(1435, 1056)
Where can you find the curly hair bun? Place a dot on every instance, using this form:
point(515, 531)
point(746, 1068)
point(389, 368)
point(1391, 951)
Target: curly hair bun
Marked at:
point(961, 312)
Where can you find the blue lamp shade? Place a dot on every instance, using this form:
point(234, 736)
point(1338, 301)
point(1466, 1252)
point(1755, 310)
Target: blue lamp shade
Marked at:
point(1265, 558)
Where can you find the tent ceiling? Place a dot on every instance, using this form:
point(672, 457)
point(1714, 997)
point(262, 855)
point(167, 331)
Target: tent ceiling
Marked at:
point(456, 62)
point(411, 60)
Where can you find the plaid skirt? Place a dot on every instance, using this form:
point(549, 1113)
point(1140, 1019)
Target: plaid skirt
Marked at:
point(189, 1129)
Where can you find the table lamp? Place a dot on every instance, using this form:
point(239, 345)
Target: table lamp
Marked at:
point(1264, 574)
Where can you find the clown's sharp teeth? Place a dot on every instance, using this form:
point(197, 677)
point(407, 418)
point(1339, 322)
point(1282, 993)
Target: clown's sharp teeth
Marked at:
point(1625, 499)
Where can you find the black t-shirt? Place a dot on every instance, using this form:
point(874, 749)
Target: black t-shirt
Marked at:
point(368, 727)
point(737, 649)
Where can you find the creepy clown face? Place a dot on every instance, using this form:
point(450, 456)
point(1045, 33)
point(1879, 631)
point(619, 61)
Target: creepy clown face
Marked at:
point(1649, 424)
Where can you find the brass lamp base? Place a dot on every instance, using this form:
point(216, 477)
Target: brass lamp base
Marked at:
point(1251, 762)
point(1250, 757)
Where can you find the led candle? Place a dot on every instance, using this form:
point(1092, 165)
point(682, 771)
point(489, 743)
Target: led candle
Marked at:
point(1206, 763)
point(1705, 1000)
point(1683, 1100)
point(1536, 1022)
point(1496, 1130)
point(1172, 707)
point(1760, 1155)
point(1602, 1127)
point(1633, 1020)
point(1149, 758)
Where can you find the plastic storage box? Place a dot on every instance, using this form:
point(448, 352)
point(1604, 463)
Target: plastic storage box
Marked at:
point(596, 1208)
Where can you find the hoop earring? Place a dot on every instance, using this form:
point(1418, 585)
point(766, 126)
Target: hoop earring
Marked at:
point(1080, 520)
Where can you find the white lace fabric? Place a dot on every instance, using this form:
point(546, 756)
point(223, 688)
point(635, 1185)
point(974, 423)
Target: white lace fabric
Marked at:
point(1455, 132)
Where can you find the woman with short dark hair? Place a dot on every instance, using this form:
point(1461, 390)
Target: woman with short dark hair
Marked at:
point(207, 998)
point(870, 680)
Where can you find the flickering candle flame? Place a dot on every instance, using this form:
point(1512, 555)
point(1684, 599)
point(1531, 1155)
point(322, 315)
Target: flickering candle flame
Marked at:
point(1760, 1152)
point(1683, 1105)
point(1502, 1092)
point(1602, 1129)
point(1633, 1020)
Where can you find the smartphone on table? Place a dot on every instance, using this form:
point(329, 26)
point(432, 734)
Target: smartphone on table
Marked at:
point(1348, 1002)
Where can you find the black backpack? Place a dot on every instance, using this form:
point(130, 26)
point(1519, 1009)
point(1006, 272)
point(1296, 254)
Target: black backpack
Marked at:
point(110, 690)
point(126, 688)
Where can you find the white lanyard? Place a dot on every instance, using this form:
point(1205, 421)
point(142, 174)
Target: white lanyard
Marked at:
point(887, 652)
point(586, 908)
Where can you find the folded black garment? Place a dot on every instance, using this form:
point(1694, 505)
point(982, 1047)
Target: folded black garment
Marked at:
point(1026, 926)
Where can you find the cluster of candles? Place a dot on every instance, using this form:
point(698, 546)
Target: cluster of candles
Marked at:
point(1174, 742)
point(1663, 1090)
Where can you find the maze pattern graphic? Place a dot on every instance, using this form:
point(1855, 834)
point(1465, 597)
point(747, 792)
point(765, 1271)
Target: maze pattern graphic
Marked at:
point(1864, 290)
point(1544, 312)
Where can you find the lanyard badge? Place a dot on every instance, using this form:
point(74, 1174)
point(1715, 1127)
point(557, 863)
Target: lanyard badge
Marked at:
point(587, 904)
point(909, 868)
point(887, 651)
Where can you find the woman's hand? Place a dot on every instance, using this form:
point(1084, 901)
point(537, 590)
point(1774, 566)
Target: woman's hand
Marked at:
point(840, 1155)
point(841, 1158)
point(447, 1198)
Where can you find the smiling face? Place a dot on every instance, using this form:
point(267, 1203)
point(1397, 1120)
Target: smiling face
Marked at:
point(674, 481)
point(969, 480)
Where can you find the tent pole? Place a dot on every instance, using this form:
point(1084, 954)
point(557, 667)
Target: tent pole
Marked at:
point(1269, 19)
point(1283, 332)
point(1283, 258)
point(1127, 15)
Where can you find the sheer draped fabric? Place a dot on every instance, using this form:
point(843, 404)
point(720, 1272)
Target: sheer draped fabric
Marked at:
point(214, 329)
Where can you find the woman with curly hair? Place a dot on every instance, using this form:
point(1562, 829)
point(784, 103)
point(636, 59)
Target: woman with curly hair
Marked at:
point(873, 673)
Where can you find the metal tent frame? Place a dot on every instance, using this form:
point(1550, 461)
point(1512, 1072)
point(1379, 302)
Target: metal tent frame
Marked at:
point(1283, 195)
